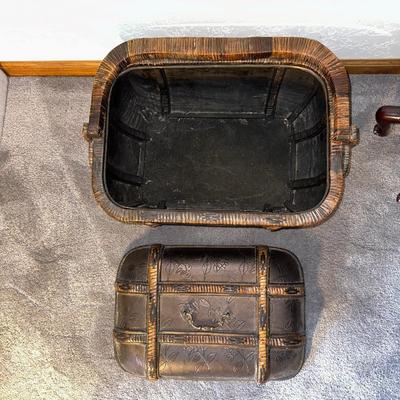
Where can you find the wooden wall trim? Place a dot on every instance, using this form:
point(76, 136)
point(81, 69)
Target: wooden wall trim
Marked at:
point(49, 68)
point(372, 66)
point(89, 68)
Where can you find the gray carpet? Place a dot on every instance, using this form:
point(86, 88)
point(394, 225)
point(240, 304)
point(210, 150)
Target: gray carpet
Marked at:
point(59, 255)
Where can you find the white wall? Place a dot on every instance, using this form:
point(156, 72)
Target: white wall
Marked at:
point(88, 29)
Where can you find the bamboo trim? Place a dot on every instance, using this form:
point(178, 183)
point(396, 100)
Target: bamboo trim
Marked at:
point(209, 339)
point(131, 288)
point(209, 288)
point(152, 312)
point(263, 311)
point(129, 337)
point(90, 67)
point(285, 291)
point(286, 341)
point(276, 290)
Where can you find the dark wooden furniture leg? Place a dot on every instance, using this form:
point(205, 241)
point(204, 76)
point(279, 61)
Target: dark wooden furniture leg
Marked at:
point(386, 116)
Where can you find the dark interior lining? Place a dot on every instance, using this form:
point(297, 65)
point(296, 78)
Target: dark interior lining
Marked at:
point(217, 138)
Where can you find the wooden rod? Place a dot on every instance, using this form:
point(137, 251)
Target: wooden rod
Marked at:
point(374, 66)
point(89, 68)
point(49, 68)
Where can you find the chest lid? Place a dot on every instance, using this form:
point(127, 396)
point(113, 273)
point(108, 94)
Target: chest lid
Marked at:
point(210, 313)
